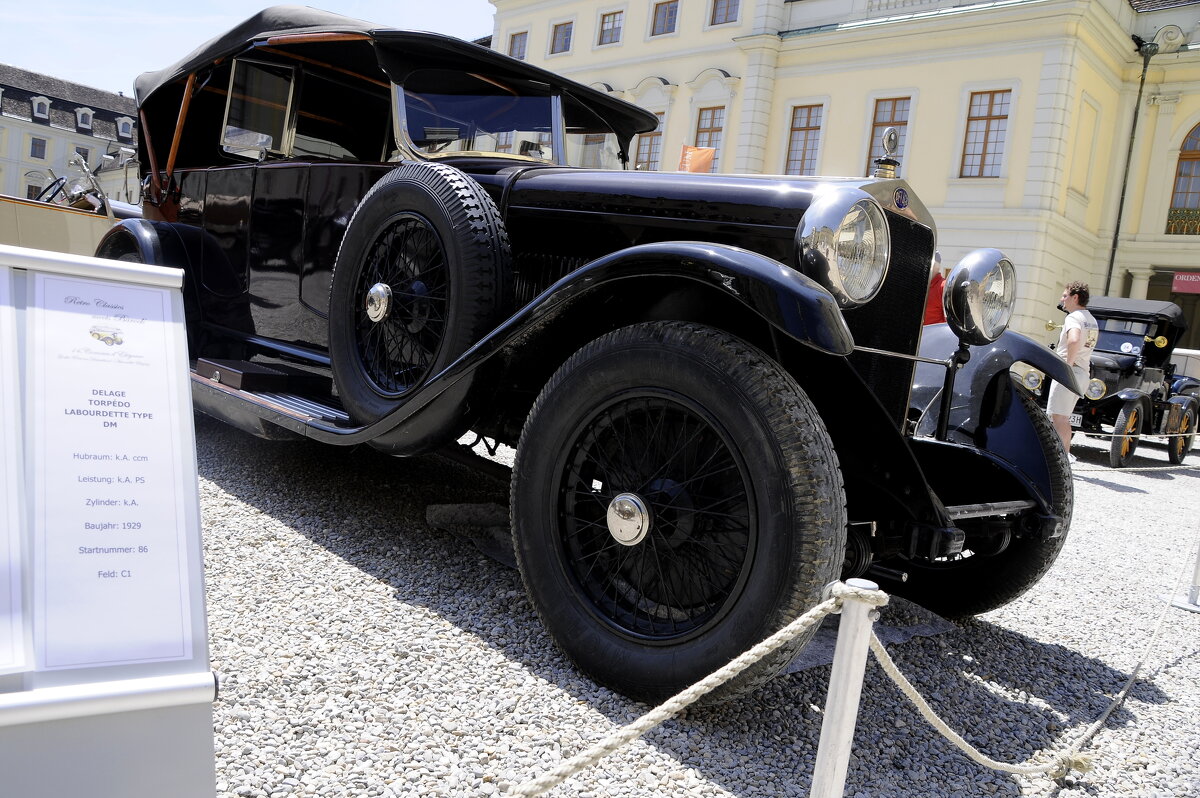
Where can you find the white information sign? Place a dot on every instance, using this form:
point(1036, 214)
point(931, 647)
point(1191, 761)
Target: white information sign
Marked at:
point(109, 525)
point(13, 632)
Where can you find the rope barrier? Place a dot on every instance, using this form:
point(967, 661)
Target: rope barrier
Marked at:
point(630, 732)
point(1056, 764)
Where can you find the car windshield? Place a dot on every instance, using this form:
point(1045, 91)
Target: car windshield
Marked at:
point(447, 113)
point(1122, 335)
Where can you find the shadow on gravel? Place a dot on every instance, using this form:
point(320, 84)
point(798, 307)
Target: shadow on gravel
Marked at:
point(1008, 694)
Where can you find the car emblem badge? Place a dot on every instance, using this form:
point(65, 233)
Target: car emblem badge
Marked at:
point(901, 198)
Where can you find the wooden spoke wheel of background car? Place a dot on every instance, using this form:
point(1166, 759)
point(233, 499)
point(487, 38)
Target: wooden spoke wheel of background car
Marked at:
point(1126, 434)
point(977, 581)
point(419, 278)
point(1179, 446)
point(675, 499)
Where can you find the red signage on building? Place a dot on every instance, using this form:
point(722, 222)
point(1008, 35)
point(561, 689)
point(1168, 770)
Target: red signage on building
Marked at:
point(1186, 283)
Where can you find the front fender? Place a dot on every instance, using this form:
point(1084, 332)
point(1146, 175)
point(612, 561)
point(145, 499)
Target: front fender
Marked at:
point(790, 301)
point(973, 403)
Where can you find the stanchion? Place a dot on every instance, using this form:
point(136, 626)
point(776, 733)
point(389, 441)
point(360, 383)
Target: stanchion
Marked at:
point(1192, 602)
point(845, 689)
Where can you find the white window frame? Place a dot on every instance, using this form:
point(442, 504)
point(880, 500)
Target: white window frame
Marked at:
point(512, 34)
point(960, 131)
point(650, 34)
point(708, 15)
point(84, 117)
point(790, 106)
point(34, 102)
point(121, 121)
point(553, 24)
point(45, 152)
point(869, 140)
point(600, 14)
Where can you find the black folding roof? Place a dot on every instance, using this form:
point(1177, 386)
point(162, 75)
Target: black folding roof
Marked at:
point(1122, 307)
point(398, 52)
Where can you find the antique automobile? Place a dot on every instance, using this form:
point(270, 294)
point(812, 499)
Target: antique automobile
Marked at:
point(71, 214)
point(393, 238)
point(1134, 390)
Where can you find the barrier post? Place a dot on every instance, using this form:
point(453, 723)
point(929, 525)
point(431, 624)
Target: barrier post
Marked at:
point(845, 689)
point(1192, 602)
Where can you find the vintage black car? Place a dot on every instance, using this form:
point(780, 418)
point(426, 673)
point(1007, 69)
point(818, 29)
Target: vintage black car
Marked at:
point(393, 237)
point(1134, 390)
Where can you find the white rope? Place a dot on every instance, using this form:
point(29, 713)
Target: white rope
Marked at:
point(1140, 468)
point(672, 706)
point(1056, 764)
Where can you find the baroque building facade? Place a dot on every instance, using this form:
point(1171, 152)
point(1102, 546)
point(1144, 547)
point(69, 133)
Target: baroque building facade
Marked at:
point(1065, 132)
point(45, 120)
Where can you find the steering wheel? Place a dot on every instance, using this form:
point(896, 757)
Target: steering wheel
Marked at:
point(51, 191)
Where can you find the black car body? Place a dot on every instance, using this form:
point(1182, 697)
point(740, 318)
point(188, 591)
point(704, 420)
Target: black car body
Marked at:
point(393, 237)
point(1134, 389)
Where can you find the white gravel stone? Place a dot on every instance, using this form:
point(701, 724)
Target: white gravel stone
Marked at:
point(364, 653)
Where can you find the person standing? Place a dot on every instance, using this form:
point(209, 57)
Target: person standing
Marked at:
point(1076, 342)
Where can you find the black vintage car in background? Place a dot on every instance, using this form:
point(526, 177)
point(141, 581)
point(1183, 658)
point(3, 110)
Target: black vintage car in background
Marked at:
point(1134, 390)
point(393, 238)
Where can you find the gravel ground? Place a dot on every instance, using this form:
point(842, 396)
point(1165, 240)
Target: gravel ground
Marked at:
point(363, 652)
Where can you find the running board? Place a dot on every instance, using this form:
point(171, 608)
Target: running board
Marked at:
point(960, 511)
point(274, 414)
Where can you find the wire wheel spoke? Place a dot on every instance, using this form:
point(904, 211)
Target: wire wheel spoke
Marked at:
point(398, 350)
point(677, 578)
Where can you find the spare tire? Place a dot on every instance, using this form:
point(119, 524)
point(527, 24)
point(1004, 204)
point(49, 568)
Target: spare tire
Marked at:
point(420, 277)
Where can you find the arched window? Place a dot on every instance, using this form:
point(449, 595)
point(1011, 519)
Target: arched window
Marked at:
point(1184, 216)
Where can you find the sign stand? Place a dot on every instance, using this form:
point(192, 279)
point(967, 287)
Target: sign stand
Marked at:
point(105, 686)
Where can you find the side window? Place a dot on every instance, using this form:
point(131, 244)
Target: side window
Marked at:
point(258, 109)
point(341, 119)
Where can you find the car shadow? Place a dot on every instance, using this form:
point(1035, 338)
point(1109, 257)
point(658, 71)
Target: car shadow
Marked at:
point(1008, 694)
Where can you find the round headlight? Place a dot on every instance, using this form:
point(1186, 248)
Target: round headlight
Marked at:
point(845, 246)
point(979, 296)
point(1032, 379)
point(1095, 389)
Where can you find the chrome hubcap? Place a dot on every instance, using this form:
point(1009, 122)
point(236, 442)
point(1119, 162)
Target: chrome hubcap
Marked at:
point(379, 302)
point(628, 519)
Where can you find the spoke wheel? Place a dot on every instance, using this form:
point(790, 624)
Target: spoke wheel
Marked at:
point(1126, 434)
point(1182, 444)
point(405, 268)
point(698, 542)
point(422, 274)
point(675, 500)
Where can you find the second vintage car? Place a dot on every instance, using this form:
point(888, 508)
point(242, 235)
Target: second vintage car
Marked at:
point(391, 238)
point(1134, 389)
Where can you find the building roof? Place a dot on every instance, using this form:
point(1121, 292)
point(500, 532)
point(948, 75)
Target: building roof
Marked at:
point(59, 89)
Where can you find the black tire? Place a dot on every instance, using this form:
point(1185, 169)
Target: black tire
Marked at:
point(1126, 434)
point(429, 237)
point(1178, 447)
point(746, 521)
point(970, 585)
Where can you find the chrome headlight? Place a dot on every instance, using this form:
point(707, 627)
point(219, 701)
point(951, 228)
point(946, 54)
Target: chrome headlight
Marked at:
point(1095, 389)
point(1033, 379)
point(845, 245)
point(979, 296)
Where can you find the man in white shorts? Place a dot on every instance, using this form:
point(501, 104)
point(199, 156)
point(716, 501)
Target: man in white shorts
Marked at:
point(1080, 332)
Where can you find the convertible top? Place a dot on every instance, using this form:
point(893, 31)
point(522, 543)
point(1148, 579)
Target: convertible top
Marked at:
point(398, 51)
point(1110, 307)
